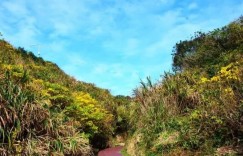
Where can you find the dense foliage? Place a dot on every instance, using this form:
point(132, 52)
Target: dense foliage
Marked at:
point(43, 111)
point(198, 109)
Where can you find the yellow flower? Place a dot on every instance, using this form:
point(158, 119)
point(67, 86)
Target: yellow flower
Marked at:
point(229, 91)
point(215, 79)
point(204, 79)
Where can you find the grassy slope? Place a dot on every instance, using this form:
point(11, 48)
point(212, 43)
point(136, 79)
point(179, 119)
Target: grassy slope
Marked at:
point(197, 110)
point(43, 110)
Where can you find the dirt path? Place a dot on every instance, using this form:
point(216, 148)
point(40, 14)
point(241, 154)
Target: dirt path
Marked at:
point(115, 151)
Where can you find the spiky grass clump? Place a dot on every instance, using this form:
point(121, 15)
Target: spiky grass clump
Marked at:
point(28, 127)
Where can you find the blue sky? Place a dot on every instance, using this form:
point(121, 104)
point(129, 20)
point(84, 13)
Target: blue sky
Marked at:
point(111, 43)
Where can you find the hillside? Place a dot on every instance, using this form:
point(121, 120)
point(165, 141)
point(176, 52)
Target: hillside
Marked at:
point(195, 110)
point(44, 111)
point(198, 108)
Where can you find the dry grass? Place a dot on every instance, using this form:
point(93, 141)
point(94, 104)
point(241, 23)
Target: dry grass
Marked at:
point(27, 127)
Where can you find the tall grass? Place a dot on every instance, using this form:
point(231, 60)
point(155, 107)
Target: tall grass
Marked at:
point(27, 127)
point(190, 112)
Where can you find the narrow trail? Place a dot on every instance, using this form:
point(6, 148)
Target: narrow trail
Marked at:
point(114, 151)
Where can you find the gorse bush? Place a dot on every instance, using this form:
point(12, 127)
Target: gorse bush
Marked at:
point(197, 110)
point(89, 113)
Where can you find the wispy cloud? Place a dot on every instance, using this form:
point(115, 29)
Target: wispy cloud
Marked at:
point(112, 43)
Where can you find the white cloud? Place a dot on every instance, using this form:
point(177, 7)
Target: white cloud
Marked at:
point(15, 8)
point(192, 6)
point(112, 43)
point(131, 47)
point(74, 64)
point(100, 69)
point(166, 1)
